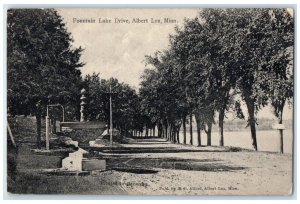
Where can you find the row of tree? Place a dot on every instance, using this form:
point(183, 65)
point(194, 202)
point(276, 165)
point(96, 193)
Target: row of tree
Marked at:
point(212, 59)
point(43, 69)
point(125, 102)
point(127, 111)
point(42, 65)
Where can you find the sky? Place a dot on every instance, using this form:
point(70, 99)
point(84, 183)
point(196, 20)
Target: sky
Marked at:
point(117, 49)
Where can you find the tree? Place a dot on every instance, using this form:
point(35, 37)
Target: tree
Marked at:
point(218, 26)
point(259, 51)
point(196, 48)
point(42, 64)
point(220, 54)
point(278, 81)
point(182, 44)
point(160, 94)
point(96, 109)
point(148, 97)
point(125, 102)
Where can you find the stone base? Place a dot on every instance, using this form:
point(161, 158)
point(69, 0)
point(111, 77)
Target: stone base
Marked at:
point(74, 161)
point(72, 164)
point(93, 164)
point(84, 125)
point(95, 144)
point(83, 132)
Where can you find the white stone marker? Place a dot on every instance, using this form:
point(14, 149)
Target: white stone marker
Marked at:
point(74, 161)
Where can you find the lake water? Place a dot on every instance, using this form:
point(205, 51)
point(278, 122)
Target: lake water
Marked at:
point(267, 140)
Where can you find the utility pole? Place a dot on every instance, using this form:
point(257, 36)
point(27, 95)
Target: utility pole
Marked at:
point(110, 112)
point(110, 117)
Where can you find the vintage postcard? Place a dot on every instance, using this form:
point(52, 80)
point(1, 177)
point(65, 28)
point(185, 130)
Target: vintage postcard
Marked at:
point(150, 101)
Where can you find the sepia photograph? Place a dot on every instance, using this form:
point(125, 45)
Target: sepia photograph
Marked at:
point(150, 101)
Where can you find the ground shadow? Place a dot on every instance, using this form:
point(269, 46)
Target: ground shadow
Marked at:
point(213, 165)
point(135, 170)
point(136, 150)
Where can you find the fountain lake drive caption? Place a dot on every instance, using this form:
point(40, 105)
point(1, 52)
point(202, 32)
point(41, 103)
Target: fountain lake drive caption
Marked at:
point(124, 20)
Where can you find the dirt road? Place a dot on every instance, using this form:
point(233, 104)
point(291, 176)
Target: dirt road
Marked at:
point(156, 167)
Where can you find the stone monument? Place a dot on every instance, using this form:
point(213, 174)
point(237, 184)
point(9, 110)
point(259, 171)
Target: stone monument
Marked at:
point(83, 131)
point(83, 106)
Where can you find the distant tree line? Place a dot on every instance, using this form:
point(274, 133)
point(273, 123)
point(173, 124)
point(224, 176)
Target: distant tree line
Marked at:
point(125, 103)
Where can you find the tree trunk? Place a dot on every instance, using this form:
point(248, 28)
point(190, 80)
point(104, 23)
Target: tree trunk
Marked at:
point(177, 133)
point(209, 126)
point(168, 132)
point(281, 130)
point(165, 131)
point(158, 130)
point(184, 129)
point(38, 127)
point(281, 140)
point(198, 122)
point(171, 134)
point(250, 107)
point(174, 134)
point(221, 126)
point(191, 128)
